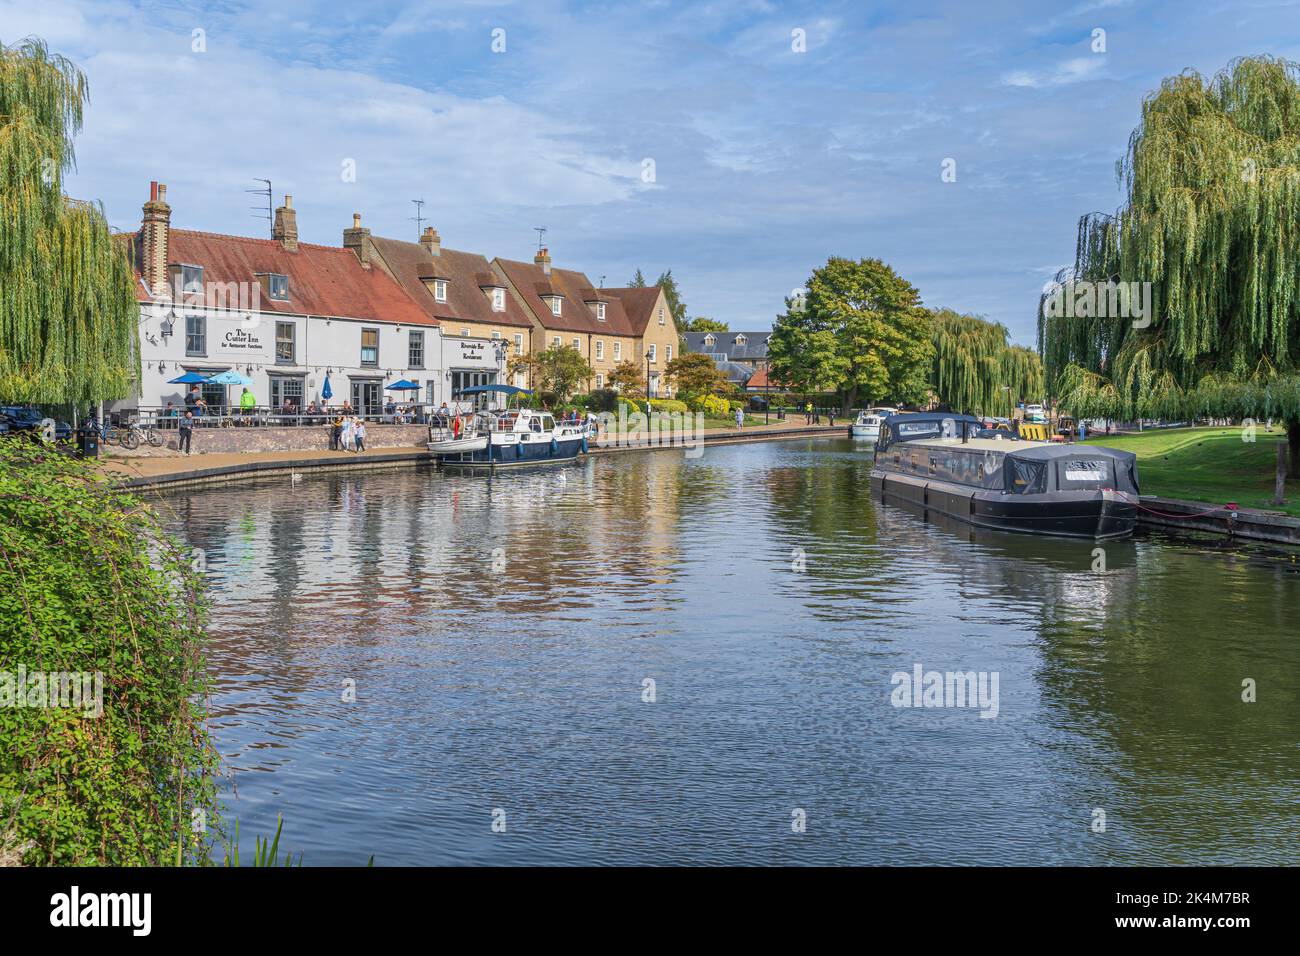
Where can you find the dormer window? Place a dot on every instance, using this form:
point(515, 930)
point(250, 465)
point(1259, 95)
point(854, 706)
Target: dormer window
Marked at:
point(440, 290)
point(556, 303)
point(600, 311)
point(709, 340)
point(277, 286)
point(498, 300)
point(741, 340)
point(189, 277)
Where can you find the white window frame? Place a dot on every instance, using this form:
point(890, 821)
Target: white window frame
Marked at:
point(464, 333)
point(498, 300)
point(555, 342)
point(556, 305)
point(709, 339)
point(600, 311)
point(661, 316)
point(440, 290)
point(618, 351)
point(668, 353)
point(600, 380)
point(519, 343)
point(600, 351)
point(652, 352)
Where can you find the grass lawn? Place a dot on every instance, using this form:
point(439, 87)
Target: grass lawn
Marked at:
point(1208, 464)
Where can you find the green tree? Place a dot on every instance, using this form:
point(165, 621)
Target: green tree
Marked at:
point(694, 374)
point(559, 369)
point(701, 323)
point(676, 305)
point(976, 370)
point(627, 378)
point(69, 318)
point(637, 281)
point(1212, 221)
point(859, 330)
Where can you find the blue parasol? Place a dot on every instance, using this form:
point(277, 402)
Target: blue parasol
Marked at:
point(327, 393)
point(189, 378)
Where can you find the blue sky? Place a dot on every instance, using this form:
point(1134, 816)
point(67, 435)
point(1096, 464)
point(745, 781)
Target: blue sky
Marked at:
point(766, 160)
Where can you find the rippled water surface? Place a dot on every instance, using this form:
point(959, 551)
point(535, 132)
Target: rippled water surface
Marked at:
point(500, 635)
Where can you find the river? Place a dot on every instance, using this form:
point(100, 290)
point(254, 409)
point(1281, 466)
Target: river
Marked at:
point(649, 659)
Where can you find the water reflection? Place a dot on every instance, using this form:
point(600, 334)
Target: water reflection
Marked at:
point(499, 633)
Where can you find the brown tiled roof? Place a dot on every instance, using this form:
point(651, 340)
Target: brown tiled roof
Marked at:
point(463, 271)
point(323, 280)
point(638, 303)
point(575, 315)
point(760, 379)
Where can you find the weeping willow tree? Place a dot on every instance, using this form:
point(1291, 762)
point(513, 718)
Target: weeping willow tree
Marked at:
point(1212, 223)
point(976, 370)
point(68, 312)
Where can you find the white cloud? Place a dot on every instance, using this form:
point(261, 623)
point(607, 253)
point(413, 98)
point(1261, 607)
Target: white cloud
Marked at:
point(1074, 70)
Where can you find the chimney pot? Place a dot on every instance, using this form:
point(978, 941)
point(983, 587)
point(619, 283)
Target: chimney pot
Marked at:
point(288, 201)
point(162, 192)
point(356, 220)
point(153, 190)
point(285, 228)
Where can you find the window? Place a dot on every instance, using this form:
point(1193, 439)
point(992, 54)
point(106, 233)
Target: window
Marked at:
point(519, 343)
point(286, 391)
point(650, 354)
point(191, 279)
point(369, 347)
point(661, 316)
point(555, 342)
point(496, 334)
point(668, 353)
point(709, 340)
point(600, 311)
point(618, 351)
point(284, 343)
point(577, 345)
point(464, 333)
point(600, 351)
point(415, 350)
point(440, 290)
point(556, 304)
point(196, 335)
point(498, 300)
point(741, 340)
point(600, 381)
point(278, 286)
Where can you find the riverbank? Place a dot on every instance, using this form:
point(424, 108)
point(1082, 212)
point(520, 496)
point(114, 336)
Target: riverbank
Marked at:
point(177, 470)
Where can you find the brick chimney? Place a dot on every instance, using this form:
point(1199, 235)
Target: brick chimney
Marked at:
point(431, 241)
point(543, 259)
point(358, 240)
point(285, 230)
point(155, 233)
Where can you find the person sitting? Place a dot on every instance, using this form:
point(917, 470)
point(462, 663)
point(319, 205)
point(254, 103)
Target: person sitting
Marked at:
point(390, 409)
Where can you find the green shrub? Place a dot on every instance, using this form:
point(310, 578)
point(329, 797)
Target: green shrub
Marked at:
point(670, 405)
point(711, 405)
point(90, 583)
point(603, 400)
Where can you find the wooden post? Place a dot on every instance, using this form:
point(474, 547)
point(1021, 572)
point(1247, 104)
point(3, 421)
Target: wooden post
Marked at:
point(1279, 492)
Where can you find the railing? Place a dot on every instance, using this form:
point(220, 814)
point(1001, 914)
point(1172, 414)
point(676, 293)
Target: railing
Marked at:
point(262, 416)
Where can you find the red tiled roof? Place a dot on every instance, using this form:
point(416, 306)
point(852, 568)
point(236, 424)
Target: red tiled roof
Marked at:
point(575, 315)
point(323, 280)
point(638, 303)
point(760, 379)
point(465, 273)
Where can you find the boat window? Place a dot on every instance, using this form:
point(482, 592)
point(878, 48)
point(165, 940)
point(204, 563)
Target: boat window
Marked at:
point(917, 429)
point(1026, 477)
point(1086, 469)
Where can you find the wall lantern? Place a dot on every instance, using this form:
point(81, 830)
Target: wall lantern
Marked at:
point(162, 367)
point(166, 327)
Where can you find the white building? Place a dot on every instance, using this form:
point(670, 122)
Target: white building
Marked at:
point(290, 316)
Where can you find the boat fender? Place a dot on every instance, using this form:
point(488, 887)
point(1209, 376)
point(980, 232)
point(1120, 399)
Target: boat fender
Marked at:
point(555, 448)
point(584, 444)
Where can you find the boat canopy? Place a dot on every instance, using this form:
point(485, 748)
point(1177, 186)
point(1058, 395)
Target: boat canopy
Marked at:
point(917, 426)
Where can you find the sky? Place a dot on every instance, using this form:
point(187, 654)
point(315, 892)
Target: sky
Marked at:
point(739, 143)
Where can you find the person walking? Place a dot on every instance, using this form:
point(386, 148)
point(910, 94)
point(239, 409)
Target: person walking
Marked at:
point(336, 433)
point(359, 434)
point(247, 402)
point(740, 417)
point(345, 435)
point(186, 432)
point(808, 413)
point(830, 415)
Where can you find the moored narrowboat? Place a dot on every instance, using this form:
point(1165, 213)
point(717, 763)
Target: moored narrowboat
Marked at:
point(948, 463)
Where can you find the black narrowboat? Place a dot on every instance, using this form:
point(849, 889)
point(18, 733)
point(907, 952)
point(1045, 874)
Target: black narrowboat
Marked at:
point(949, 464)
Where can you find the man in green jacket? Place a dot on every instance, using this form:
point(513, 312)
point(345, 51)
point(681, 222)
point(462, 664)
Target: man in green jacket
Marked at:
point(247, 402)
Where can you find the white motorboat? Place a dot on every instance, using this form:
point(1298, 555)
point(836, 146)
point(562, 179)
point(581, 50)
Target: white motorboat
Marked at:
point(455, 446)
point(499, 439)
point(867, 425)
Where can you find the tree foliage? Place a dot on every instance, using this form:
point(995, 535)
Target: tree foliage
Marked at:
point(1212, 221)
point(860, 331)
point(695, 374)
point(975, 368)
point(702, 323)
point(559, 369)
point(627, 378)
point(68, 312)
point(90, 583)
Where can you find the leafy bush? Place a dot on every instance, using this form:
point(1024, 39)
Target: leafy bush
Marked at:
point(89, 583)
point(711, 405)
point(670, 405)
point(603, 400)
